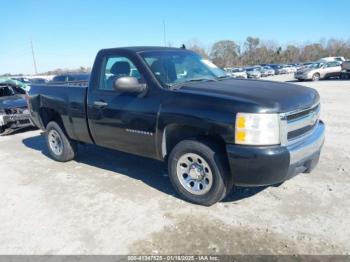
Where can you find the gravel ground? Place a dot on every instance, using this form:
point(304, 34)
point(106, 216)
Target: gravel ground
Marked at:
point(106, 202)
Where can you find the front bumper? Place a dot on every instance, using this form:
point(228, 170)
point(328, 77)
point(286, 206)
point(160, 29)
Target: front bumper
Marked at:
point(302, 76)
point(261, 166)
point(15, 121)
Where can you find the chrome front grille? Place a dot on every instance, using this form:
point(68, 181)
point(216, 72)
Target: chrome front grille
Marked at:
point(297, 124)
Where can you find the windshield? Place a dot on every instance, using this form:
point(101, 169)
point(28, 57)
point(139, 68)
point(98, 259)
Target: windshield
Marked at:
point(315, 65)
point(177, 67)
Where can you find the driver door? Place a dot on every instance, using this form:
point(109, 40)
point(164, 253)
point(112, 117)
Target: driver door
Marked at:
point(121, 120)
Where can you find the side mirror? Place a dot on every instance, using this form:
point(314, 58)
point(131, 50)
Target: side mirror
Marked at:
point(129, 84)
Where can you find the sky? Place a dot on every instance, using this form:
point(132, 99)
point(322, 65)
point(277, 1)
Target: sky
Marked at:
point(68, 33)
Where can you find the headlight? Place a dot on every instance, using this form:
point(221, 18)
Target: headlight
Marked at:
point(257, 129)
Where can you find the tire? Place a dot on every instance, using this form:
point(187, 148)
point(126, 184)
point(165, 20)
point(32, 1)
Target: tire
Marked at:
point(60, 147)
point(316, 77)
point(213, 182)
point(344, 76)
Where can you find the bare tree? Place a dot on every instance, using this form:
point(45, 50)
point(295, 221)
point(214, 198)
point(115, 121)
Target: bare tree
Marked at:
point(291, 54)
point(337, 48)
point(250, 47)
point(312, 52)
point(197, 47)
point(224, 53)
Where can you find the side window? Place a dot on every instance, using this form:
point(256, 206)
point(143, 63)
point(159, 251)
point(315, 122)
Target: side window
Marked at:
point(332, 64)
point(115, 67)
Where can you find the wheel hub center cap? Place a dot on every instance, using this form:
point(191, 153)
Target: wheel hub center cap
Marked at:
point(196, 172)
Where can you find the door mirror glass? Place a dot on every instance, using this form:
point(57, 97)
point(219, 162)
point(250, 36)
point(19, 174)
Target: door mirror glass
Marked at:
point(129, 84)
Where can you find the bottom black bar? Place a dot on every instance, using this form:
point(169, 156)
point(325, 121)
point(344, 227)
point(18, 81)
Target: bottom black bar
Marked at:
point(163, 258)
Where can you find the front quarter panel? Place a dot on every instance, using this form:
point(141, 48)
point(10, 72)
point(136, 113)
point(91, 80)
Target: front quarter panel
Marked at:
point(210, 115)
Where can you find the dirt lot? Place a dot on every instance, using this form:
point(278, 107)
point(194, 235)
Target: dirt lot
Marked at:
point(107, 202)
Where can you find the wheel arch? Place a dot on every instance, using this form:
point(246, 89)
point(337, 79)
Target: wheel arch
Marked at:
point(48, 114)
point(175, 133)
point(317, 73)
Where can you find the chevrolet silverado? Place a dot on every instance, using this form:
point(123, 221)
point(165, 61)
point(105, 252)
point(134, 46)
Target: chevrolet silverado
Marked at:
point(172, 105)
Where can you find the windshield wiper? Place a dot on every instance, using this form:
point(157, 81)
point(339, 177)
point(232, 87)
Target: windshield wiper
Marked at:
point(224, 77)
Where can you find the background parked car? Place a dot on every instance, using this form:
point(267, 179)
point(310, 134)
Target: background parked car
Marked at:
point(319, 71)
point(269, 70)
point(70, 78)
point(14, 113)
point(284, 69)
point(291, 68)
point(277, 68)
point(253, 72)
point(263, 72)
point(238, 73)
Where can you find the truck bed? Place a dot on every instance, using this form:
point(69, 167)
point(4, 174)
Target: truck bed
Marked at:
point(69, 101)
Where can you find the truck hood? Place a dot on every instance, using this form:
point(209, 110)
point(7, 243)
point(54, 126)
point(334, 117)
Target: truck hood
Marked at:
point(268, 96)
point(14, 101)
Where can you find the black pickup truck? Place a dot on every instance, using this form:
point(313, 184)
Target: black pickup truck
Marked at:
point(170, 104)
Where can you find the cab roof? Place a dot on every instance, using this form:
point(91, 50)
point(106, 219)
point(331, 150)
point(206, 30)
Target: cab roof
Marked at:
point(144, 48)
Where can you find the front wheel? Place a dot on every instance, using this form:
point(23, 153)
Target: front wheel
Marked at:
point(60, 147)
point(316, 77)
point(199, 172)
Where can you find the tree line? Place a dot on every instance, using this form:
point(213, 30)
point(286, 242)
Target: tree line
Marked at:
point(57, 71)
point(253, 51)
point(228, 53)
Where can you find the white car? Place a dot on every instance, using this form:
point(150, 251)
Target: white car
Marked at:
point(238, 73)
point(319, 71)
point(291, 69)
point(253, 72)
point(269, 70)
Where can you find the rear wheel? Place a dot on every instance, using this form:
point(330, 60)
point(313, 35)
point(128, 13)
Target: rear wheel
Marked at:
point(60, 147)
point(344, 76)
point(316, 77)
point(199, 172)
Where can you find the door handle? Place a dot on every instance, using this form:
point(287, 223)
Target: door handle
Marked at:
point(100, 104)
